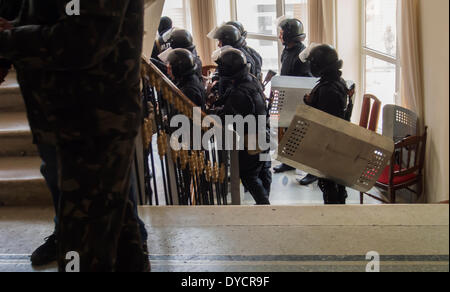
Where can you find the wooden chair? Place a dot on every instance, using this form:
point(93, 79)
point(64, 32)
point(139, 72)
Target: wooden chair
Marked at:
point(405, 169)
point(370, 113)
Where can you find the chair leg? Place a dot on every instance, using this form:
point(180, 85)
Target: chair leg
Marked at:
point(393, 196)
point(361, 198)
point(419, 189)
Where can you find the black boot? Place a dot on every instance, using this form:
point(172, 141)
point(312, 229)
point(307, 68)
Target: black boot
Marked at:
point(343, 195)
point(46, 253)
point(147, 267)
point(309, 179)
point(283, 168)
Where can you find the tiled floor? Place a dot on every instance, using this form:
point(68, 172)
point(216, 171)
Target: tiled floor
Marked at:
point(286, 191)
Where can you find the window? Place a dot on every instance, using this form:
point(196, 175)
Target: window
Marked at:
point(380, 58)
point(261, 26)
point(179, 12)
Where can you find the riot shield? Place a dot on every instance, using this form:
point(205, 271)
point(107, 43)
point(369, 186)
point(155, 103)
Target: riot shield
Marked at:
point(332, 148)
point(288, 93)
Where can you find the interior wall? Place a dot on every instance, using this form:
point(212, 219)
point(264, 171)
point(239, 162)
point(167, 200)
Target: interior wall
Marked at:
point(153, 12)
point(348, 30)
point(434, 25)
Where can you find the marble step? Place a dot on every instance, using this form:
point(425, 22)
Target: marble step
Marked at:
point(15, 135)
point(11, 97)
point(408, 238)
point(21, 183)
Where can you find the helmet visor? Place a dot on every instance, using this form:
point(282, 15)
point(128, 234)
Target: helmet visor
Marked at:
point(167, 35)
point(218, 53)
point(279, 20)
point(164, 56)
point(212, 34)
point(304, 55)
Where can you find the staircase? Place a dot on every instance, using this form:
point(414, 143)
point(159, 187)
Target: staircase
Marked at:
point(21, 182)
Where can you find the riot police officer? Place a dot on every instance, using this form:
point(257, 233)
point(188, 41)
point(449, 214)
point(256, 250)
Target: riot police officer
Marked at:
point(245, 97)
point(182, 68)
point(182, 39)
point(162, 44)
point(255, 55)
point(229, 35)
point(292, 36)
point(330, 96)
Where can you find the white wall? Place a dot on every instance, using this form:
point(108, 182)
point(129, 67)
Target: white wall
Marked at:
point(348, 25)
point(153, 13)
point(434, 26)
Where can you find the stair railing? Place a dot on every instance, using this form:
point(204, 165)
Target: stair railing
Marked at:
point(186, 176)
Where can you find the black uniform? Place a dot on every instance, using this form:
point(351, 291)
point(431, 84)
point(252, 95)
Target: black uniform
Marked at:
point(245, 97)
point(193, 88)
point(291, 63)
point(9, 10)
point(330, 96)
point(257, 59)
point(250, 60)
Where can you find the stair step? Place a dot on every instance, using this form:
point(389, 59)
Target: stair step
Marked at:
point(21, 183)
point(15, 135)
point(256, 239)
point(11, 97)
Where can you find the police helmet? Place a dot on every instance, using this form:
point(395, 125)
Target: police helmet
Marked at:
point(181, 39)
point(164, 25)
point(324, 59)
point(182, 62)
point(231, 62)
point(239, 26)
point(293, 30)
point(229, 35)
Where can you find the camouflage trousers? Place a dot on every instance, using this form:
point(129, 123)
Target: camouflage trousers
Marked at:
point(96, 216)
point(94, 135)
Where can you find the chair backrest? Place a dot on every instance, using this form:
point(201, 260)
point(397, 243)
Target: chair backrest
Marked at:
point(370, 112)
point(399, 122)
point(409, 154)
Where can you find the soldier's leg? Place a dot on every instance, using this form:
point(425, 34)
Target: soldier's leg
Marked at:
point(134, 201)
point(49, 170)
point(46, 253)
point(122, 256)
point(131, 253)
point(266, 176)
point(343, 195)
point(331, 192)
point(250, 169)
point(95, 205)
